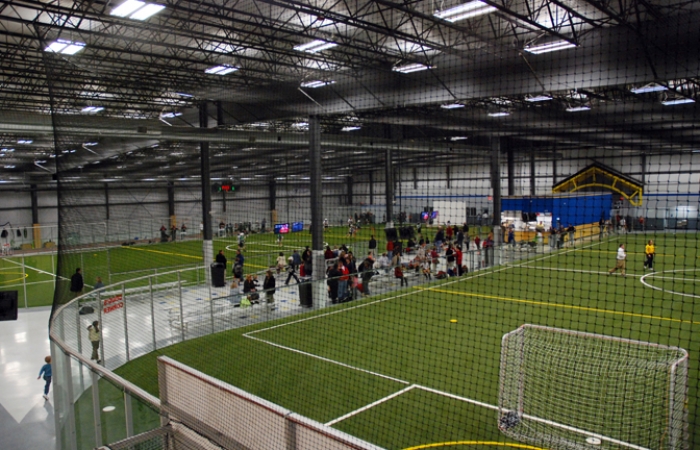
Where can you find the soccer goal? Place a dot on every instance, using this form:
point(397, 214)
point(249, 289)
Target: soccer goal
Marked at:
point(564, 389)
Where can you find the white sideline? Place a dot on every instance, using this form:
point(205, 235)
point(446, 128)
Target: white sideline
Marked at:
point(371, 405)
point(37, 270)
point(574, 270)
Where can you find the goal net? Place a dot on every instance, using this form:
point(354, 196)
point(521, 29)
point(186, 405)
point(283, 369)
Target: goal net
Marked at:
point(564, 389)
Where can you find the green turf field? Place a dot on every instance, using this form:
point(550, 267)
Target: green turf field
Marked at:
point(331, 364)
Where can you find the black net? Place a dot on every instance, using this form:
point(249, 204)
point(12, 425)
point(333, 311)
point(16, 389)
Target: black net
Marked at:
point(342, 208)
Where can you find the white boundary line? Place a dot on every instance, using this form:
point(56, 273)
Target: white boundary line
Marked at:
point(574, 270)
point(371, 405)
point(38, 270)
point(667, 290)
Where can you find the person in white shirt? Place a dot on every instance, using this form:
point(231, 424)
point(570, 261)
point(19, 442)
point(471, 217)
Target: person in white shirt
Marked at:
point(620, 261)
point(281, 262)
point(383, 262)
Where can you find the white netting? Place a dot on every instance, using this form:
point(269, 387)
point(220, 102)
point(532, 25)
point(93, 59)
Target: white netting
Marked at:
point(562, 389)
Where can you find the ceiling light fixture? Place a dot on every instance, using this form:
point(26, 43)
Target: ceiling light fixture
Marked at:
point(549, 47)
point(452, 106)
point(24, 141)
point(410, 68)
point(677, 101)
point(348, 129)
point(316, 84)
point(538, 98)
point(170, 115)
point(499, 114)
point(458, 138)
point(91, 109)
point(65, 47)
point(465, 11)
point(137, 10)
point(578, 108)
point(651, 87)
point(220, 70)
point(315, 46)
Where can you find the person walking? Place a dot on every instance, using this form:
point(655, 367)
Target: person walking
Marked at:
point(649, 251)
point(77, 283)
point(373, 246)
point(620, 261)
point(291, 271)
point(95, 335)
point(46, 373)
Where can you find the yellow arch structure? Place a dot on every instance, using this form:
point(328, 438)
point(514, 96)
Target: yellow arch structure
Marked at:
point(475, 443)
point(599, 176)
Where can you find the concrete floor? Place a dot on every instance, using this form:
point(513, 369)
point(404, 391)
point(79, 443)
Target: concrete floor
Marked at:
point(26, 419)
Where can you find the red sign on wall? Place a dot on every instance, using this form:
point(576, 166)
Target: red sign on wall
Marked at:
point(112, 304)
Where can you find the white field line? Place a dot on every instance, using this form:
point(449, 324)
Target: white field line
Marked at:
point(573, 270)
point(348, 366)
point(27, 284)
point(7, 268)
point(38, 270)
point(371, 405)
point(457, 397)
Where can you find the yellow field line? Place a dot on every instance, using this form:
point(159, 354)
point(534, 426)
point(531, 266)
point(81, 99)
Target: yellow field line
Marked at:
point(561, 305)
point(164, 253)
point(492, 443)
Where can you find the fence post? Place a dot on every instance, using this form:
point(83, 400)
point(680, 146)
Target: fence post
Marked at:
point(153, 313)
point(126, 325)
point(182, 310)
point(24, 282)
point(96, 408)
point(128, 415)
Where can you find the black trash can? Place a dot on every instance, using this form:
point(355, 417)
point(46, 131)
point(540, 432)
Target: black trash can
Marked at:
point(218, 274)
point(305, 296)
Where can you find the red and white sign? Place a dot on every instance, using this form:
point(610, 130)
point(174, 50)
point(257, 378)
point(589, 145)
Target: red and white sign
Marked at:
point(112, 304)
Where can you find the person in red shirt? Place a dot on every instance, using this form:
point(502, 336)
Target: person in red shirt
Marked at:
point(458, 257)
point(449, 232)
point(477, 242)
point(390, 249)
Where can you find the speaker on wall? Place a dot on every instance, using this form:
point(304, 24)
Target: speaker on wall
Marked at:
point(8, 305)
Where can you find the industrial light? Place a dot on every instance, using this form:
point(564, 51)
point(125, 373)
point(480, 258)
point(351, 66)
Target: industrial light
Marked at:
point(65, 47)
point(452, 106)
point(9, 166)
point(538, 98)
point(91, 109)
point(465, 11)
point(137, 10)
point(458, 138)
point(578, 108)
point(651, 87)
point(549, 47)
point(316, 84)
point(24, 141)
point(677, 101)
point(220, 70)
point(183, 94)
point(499, 114)
point(90, 144)
point(315, 46)
point(348, 129)
point(410, 68)
point(170, 115)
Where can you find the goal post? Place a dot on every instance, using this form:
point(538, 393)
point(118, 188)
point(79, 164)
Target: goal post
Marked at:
point(565, 389)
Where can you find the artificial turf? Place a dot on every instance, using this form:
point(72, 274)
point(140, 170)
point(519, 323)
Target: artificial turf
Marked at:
point(409, 335)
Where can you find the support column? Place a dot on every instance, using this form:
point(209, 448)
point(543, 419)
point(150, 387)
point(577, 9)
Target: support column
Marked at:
point(220, 114)
point(496, 188)
point(207, 244)
point(371, 187)
point(272, 198)
point(389, 189)
point(106, 201)
point(447, 177)
point(349, 183)
point(36, 230)
point(554, 171)
point(171, 203)
point(511, 171)
point(319, 295)
point(533, 186)
point(644, 169)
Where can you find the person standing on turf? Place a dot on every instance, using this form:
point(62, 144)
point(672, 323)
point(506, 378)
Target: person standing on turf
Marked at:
point(76, 283)
point(389, 248)
point(221, 258)
point(95, 335)
point(343, 280)
point(650, 250)
point(373, 246)
point(620, 261)
point(291, 271)
point(333, 279)
point(46, 373)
